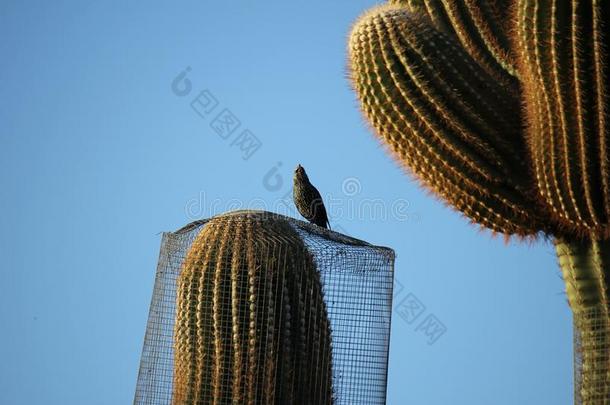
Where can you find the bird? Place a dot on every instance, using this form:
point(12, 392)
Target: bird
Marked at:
point(308, 200)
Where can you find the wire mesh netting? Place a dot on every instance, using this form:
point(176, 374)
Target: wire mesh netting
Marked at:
point(591, 356)
point(255, 307)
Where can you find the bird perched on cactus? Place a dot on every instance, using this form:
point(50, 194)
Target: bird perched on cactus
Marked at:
point(505, 118)
point(308, 200)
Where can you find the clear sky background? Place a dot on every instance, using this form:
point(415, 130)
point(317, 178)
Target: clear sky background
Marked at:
point(98, 155)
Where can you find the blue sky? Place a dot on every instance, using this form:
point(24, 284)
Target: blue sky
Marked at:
point(98, 155)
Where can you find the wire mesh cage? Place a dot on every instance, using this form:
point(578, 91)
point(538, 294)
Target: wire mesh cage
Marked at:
point(254, 307)
point(591, 356)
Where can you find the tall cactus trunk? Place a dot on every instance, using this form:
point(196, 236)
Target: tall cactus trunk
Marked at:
point(586, 270)
point(251, 323)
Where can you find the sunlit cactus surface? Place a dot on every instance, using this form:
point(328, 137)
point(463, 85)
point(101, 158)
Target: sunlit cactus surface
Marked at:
point(501, 109)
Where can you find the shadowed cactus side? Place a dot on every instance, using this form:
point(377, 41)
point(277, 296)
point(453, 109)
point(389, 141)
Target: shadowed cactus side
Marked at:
point(480, 26)
point(251, 323)
point(565, 71)
point(504, 116)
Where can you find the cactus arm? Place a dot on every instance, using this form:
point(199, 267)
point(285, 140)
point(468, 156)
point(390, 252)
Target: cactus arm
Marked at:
point(586, 270)
point(462, 140)
point(419, 97)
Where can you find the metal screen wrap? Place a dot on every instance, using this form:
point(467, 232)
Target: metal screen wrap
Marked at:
point(257, 308)
point(591, 356)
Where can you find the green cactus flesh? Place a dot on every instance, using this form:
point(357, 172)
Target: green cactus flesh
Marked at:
point(251, 323)
point(586, 271)
point(501, 108)
point(507, 123)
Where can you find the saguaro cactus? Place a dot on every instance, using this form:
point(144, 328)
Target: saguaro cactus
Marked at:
point(504, 116)
point(251, 323)
point(445, 117)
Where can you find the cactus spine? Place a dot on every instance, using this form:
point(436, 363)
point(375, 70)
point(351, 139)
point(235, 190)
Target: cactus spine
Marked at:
point(504, 116)
point(251, 323)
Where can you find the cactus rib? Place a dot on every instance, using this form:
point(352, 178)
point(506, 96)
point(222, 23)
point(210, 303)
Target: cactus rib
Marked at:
point(478, 26)
point(564, 74)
